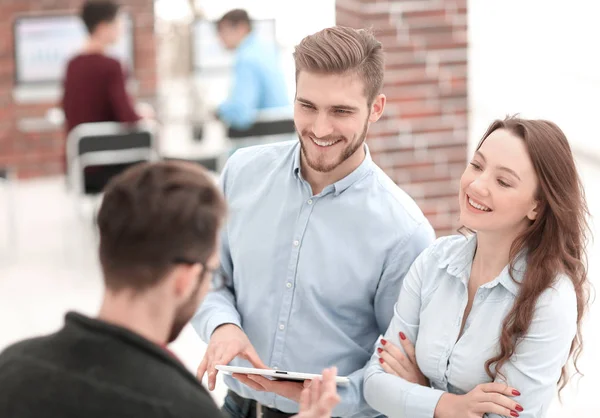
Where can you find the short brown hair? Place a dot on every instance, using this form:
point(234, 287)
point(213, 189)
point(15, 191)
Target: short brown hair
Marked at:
point(341, 50)
point(235, 17)
point(153, 214)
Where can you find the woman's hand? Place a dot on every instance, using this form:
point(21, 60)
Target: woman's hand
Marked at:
point(395, 362)
point(487, 398)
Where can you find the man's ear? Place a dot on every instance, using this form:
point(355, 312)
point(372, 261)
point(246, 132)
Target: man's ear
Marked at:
point(377, 108)
point(185, 277)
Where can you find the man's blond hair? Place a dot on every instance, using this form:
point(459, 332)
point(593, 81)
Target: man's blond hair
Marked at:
point(343, 50)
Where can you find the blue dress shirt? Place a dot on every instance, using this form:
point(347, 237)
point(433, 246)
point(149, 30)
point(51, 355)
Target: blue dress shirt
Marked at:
point(315, 277)
point(258, 83)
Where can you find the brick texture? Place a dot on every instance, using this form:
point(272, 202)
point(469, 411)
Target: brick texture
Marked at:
point(421, 141)
point(41, 154)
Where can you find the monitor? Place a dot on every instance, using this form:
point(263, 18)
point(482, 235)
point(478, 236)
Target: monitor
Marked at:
point(44, 44)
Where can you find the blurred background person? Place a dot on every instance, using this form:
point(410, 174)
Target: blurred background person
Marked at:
point(258, 79)
point(94, 83)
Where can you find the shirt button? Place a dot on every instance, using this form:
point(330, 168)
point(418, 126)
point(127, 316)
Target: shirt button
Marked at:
point(289, 285)
point(296, 243)
point(282, 327)
point(310, 202)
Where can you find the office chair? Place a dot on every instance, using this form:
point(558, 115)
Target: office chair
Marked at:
point(271, 125)
point(106, 144)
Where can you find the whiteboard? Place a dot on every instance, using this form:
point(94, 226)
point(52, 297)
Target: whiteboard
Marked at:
point(44, 44)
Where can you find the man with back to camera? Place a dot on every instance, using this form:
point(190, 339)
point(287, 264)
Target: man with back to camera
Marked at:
point(258, 80)
point(317, 242)
point(159, 253)
point(94, 83)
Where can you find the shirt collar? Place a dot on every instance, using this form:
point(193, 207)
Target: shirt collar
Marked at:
point(116, 331)
point(458, 260)
point(246, 42)
point(76, 322)
point(296, 166)
point(458, 263)
point(518, 273)
point(341, 185)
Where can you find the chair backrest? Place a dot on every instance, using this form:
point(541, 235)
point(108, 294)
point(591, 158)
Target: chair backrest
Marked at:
point(108, 136)
point(275, 121)
point(107, 144)
point(116, 142)
point(277, 127)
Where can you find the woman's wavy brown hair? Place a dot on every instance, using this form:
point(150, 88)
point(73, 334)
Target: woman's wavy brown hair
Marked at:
point(555, 241)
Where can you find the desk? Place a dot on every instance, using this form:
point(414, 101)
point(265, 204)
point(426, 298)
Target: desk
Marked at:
point(176, 142)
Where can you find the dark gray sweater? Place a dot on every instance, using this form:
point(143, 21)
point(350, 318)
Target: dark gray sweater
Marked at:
point(93, 369)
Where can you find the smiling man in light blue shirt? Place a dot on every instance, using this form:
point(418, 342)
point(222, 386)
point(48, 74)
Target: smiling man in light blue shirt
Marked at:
point(258, 80)
point(317, 242)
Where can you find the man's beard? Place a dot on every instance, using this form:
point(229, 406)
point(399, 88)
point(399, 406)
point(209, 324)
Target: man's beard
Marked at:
point(185, 313)
point(351, 148)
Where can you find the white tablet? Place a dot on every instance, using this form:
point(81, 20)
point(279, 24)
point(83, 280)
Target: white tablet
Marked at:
point(278, 374)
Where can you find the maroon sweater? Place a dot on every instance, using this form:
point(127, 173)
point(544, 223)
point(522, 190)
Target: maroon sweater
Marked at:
point(94, 91)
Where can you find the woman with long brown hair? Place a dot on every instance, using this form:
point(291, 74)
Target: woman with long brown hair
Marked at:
point(487, 321)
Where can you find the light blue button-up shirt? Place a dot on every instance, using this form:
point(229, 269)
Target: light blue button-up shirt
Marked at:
point(258, 83)
point(430, 311)
point(315, 277)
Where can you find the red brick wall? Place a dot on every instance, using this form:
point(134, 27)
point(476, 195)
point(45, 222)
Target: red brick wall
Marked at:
point(421, 142)
point(42, 153)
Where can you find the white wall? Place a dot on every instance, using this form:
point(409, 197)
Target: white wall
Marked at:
point(539, 58)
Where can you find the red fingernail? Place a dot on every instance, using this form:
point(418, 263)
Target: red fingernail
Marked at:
point(516, 393)
point(381, 360)
point(379, 349)
point(514, 414)
point(519, 408)
point(402, 336)
point(384, 342)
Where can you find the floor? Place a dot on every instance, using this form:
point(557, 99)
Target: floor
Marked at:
point(48, 266)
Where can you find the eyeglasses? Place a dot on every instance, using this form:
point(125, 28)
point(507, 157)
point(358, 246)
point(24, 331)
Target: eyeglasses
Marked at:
point(218, 280)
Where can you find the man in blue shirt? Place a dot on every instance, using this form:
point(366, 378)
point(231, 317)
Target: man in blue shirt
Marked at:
point(317, 242)
point(258, 81)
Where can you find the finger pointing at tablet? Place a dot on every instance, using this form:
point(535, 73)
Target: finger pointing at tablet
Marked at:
point(226, 343)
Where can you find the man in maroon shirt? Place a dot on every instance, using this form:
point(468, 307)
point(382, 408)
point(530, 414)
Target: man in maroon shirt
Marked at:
point(94, 84)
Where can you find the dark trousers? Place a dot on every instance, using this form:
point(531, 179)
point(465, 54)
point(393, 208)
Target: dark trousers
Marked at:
point(237, 407)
